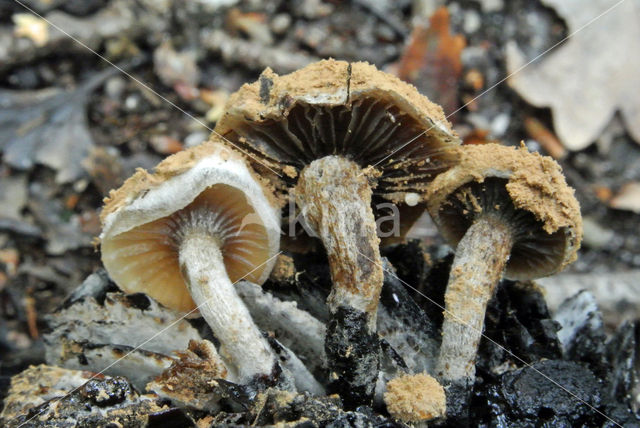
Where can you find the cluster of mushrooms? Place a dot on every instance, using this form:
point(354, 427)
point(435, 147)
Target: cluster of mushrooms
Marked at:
point(336, 139)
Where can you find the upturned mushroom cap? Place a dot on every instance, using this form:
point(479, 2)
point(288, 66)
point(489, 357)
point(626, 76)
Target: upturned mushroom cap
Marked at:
point(346, 109)
point(526, 189)
point(141, 222)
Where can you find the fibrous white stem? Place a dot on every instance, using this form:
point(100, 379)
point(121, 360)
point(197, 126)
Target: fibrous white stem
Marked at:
point(204, 272)
point(481, 257)
point(335, 198)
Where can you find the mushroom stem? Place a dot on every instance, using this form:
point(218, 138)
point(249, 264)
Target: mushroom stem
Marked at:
point(481, 257)
point(335, 198)
point(203, 269)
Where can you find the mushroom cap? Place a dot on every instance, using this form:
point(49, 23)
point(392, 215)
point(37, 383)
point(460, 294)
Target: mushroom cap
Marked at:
point(346, 109)
point(415, 398)
point(142, 220)
point(528, 188)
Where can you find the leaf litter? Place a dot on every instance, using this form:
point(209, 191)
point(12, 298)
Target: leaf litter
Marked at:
point(49, 127)
point(591, 75)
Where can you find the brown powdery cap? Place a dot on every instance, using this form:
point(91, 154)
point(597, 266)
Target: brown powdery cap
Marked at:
point(138, 242)
point(529, 186)
point(346, 109)
point(415, 398)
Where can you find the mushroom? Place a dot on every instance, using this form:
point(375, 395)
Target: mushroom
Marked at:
point(336, 136)
point(186, 233)
point(415, 398)
point(507, 211)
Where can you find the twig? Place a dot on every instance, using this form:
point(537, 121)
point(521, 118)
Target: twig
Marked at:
point(254, 55)
point(32, 315)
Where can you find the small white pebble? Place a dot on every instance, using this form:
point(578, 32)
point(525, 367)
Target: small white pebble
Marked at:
point(499, 124)
point(114, 87)
point(532, 145)
point(411, 199)
point(471, 22)
point(132, 102)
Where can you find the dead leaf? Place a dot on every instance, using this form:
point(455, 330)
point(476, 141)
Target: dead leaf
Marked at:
point(591, 76)
point(431, 60)
point(49, 127)
point(628, 198)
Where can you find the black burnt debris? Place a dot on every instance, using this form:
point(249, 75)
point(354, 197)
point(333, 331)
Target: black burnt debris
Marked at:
point(546, 391)
point(356, 356)
point(624, 377)
point(532, 368)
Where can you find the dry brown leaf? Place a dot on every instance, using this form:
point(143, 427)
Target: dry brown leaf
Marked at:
point(591, 76)
point(431, 60)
